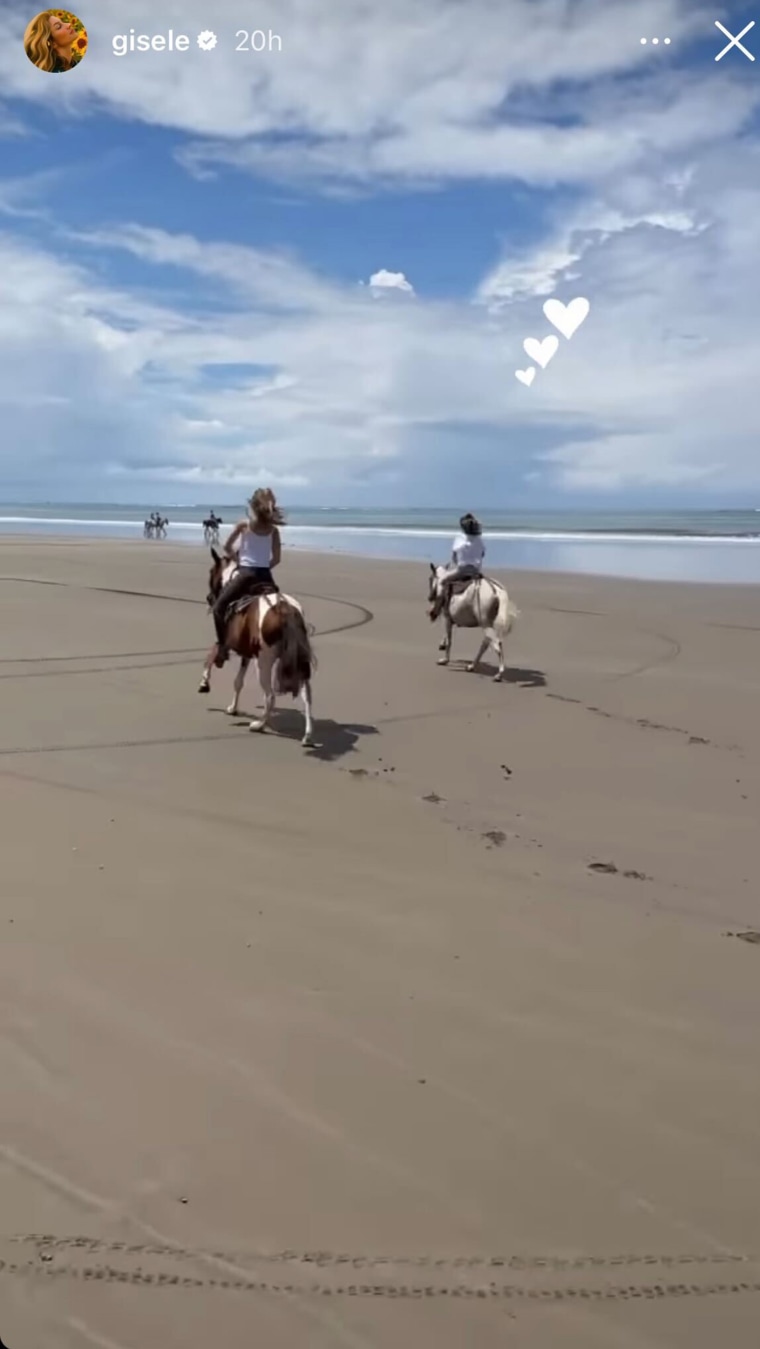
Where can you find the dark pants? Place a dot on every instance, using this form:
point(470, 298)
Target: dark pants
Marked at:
point(464, 572)
point(246, 581)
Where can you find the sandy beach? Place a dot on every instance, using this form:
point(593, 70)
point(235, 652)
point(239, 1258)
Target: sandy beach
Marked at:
point(443, 1033)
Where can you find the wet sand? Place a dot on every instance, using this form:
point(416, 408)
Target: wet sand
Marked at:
point(434, 1035)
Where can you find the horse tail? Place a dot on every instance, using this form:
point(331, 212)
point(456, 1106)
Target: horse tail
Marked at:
point(507, 613)
point(296, 659)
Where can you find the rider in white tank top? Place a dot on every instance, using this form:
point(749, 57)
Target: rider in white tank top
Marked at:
point(255, 550)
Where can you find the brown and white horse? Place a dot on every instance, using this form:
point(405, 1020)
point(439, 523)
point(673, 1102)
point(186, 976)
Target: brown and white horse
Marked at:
point(270, 629)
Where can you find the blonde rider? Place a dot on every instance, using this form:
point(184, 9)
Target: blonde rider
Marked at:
point(255, 544)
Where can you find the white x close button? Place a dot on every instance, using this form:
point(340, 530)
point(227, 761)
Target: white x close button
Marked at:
point(735, 41)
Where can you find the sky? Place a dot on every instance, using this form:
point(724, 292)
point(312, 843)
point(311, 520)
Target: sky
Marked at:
point(314, 266)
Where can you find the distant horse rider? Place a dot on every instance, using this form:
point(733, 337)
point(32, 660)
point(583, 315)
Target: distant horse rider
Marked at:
point(467, 554)
point(211, 527)
point(258, 552)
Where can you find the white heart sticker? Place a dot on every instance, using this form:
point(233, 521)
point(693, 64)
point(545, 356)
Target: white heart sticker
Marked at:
point(526, 376)
point(541, 352)
point(567, 319)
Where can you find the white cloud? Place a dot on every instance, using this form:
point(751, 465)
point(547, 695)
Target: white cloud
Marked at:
point(633, 461)
point(384, 281)
point(539, 270)
point(200, 426)
point(269, 278)
point(260, 368)
point(324, 389)
point(220, 475)
point(613, 135)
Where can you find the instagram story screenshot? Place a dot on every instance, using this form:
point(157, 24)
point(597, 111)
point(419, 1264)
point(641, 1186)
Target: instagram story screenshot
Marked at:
point(379, 674)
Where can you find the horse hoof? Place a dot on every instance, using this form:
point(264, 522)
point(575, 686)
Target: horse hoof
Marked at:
point(257, 726)
point(471, 668)
point(443, 660)
point(498, 678)
point(308, 742)
point(232, 710)
point(204, 686)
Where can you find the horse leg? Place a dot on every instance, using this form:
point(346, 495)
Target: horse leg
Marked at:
point(238, 686)
point(445, 646)
point(473, 665)
point(265, 663)
point(308, 735)
point(497, 646)
point(205, 684)
point(497, 642)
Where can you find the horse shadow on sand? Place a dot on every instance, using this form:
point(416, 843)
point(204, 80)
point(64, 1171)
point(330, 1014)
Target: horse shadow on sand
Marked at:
point(524, 679)
point(333, 740)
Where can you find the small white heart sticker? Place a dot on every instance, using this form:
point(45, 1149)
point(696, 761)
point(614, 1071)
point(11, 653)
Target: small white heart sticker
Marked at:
point(541, 352)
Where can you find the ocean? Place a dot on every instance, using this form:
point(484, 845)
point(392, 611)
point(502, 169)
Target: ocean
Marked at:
point(720, 546)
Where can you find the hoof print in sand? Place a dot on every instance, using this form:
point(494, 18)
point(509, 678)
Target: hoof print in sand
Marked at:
point(494, 837)
point(751, 936)
point(609, 869)
point(433, 798)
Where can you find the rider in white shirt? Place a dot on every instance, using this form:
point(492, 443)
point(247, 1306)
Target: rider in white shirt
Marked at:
point(467, 554)
point(468, 551)
point(257, 552)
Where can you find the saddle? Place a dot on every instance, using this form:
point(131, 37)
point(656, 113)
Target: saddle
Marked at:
point(462, 583)
point(245, 601)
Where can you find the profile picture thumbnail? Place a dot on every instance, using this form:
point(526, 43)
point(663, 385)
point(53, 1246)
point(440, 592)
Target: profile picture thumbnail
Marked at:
point(55, 40)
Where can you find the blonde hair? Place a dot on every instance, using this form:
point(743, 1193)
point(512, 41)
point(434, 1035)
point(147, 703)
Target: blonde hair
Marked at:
point(38, 42)
point(264, 508)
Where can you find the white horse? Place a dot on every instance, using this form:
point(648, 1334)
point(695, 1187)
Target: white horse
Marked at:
point(270, 629)
point(476, 602)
